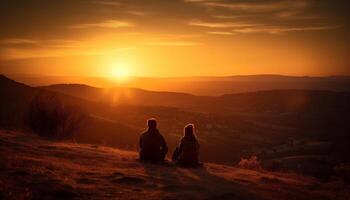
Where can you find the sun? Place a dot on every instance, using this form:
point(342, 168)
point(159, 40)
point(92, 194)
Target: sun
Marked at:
point(120, 72)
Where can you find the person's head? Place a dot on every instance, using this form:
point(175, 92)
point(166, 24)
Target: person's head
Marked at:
point(152, 123)
point(189, 131)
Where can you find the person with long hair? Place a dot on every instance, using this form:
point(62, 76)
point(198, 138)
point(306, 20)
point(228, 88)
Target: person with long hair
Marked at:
point(187, 152)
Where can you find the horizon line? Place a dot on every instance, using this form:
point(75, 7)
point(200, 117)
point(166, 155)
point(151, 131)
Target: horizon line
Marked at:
point(174, 77)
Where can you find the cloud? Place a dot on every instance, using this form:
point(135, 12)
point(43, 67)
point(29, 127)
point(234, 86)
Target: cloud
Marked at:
point(50, 43)
point(281, 30)
point(257, 6)
point(273, 17)
point(18, 41)
point(225, 16)
point(136, 13)
point(27, 48)
point(172, 43)
point(172, 39)
point(106, 2)
point(104, 24)
point(193, 0)
point(295, 15)
point(220, 33)
point(21, 53)
point(23, 48)
point(221, 24)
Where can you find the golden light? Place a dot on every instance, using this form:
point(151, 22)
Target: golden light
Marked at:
point(120, 71)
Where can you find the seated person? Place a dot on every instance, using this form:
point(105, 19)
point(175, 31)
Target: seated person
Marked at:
point(186, 154)
point(153, 147)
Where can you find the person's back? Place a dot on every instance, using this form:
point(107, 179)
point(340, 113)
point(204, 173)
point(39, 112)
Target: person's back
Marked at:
point(187, 152)
point(152, 144)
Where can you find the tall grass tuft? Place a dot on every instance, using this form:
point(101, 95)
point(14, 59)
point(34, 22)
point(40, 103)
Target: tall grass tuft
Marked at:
point(250, 163)
point(49, 117)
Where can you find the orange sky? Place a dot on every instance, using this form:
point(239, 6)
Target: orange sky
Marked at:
point(174, 38)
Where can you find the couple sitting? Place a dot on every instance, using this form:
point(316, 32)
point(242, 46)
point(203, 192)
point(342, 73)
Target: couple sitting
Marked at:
point(153, 147)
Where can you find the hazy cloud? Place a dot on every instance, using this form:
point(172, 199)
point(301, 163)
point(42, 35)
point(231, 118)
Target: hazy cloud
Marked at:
point(106, 2)
point(295, 15)
point(104, 24)
point(281, 30)
point(220, 33)
point(18, 41)
point(258, 6)
point(23, 48)
point(173, 43)
point(136, 13)
point(173, 40)
point(221, 24)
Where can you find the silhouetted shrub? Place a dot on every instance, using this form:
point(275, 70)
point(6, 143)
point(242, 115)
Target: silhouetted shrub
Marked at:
point(342, 171)
point(51, 118)
point(274, 166)
point(250, 163)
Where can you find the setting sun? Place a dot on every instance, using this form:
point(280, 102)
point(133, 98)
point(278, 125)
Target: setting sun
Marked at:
point(120, 71)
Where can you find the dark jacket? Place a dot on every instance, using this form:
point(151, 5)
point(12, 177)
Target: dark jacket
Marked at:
point(188, 151)
point(152, 146)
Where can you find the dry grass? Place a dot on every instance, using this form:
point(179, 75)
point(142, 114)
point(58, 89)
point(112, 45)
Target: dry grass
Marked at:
point(32, 168)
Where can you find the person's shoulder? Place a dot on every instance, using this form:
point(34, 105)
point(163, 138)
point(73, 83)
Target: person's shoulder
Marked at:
point(160, 135)
point(143, 134)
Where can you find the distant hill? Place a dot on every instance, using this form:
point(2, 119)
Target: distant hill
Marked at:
point(270, 101)
point(318, 109)
point(206, 85)
point(131, 96)
point(16, 99)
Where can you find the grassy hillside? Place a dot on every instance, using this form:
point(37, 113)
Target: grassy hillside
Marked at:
point(283, 126)
point(32, 168)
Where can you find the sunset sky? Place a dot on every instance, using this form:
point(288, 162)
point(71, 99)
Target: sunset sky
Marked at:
point(174, 37)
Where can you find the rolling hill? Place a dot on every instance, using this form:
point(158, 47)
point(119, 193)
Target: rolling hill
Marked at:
point(264, 123)
point(206, 85)
point(16, 101)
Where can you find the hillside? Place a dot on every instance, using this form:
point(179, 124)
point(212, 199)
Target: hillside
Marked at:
point(272, 101)
point(130, 96)
point(229, 127)
point(310, 113)
point(33, 168)
point(16, 100)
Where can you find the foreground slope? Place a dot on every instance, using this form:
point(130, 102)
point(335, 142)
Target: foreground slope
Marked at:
point(32, 168)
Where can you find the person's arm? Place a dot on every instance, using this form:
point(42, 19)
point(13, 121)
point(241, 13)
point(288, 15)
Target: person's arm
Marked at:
point(197, 146)
point(180, 147)
point(164, 145)
point(140, 142)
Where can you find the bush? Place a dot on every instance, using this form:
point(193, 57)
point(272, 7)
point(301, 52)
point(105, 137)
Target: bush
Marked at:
point(49, 117)
point(274, 166)
point(343, 172)
point(250, 163)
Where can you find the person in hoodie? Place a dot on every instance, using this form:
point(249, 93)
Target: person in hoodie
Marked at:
point(153, 147)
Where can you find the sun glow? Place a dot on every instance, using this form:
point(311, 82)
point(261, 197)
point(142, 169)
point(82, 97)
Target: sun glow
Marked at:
point(120, 72)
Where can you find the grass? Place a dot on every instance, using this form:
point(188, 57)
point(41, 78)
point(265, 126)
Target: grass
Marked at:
point(34, 168)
